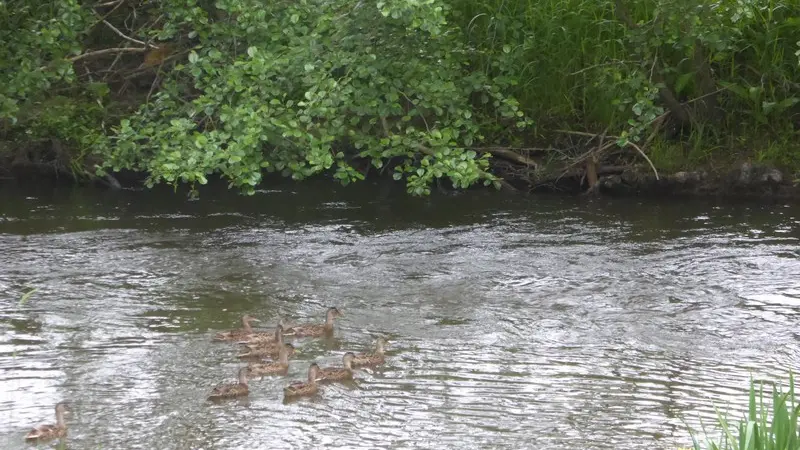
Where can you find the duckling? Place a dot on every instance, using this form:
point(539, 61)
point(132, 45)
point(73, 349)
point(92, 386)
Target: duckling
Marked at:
point(47, 432)
point(316, 329)
point(280, 367)
point(373, 358)
point(262, 349)
point(300, 389)
point(339, 373)
point(237, 335)
point(268, 336)
point(231, 390)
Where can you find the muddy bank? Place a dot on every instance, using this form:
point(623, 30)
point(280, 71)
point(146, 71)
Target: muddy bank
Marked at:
point(47, 162)
point(746, 180)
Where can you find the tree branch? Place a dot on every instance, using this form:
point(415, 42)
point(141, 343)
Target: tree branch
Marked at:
point(107, 51)
point(126, 37)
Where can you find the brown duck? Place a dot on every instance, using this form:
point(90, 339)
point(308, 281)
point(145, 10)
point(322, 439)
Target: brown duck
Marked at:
point(47, 432)
point(231, 390)
point(240, 334)
point(279, 367)
point(317, 329)
point(265, 349)
point(300, 389)
point(372, 358)
point(257, 337)
point(339, 373)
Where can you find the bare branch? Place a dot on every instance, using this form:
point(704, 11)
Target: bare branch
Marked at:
point(107, 51)
point(645, 157)
point(104, 4)
point(126, 37)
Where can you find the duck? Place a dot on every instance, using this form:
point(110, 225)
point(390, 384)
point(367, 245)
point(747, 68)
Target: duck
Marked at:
point(301, 389)
point(317, 329)
point(279, 367)
point(240, 334)
point(372, 358)
point(339, 373)
point(230, 390)
point(47, 432)
point(262, 349)
point(268, 336)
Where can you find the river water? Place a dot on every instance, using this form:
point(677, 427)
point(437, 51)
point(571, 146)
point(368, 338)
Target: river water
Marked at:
point(541, 322)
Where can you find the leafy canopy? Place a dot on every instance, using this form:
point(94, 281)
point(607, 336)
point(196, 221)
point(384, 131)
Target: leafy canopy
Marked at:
point(313, 86)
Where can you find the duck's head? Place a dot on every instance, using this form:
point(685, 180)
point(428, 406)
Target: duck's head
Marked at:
point(279, 334)
point(380, 344)
point(313, 372)
point(333, 312)
point(243, 376)
point(63, 407)
point(288, 349)
point(247, 318)
point(347, 360)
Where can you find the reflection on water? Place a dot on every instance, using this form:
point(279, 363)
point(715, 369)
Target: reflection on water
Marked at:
point(545, 322)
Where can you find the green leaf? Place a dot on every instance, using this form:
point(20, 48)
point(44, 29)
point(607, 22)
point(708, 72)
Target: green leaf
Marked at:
point(193, 57)
point(682, 81)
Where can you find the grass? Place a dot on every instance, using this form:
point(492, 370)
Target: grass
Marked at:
point(575, 62)
point(26, 296)
point(770, 423)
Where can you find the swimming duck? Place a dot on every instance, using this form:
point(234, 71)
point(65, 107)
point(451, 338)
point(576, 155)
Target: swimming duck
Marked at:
point(372, 358)
point(262, 349)
point(231, 390)
point(47, 432)
point(300, 389)
point(268, 336)
point(240, 334)
point(339, 373)
point(316, 329)
point(279, 367)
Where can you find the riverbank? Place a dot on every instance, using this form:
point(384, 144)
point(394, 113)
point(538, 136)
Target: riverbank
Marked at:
point(743, 180)
point(746, 180)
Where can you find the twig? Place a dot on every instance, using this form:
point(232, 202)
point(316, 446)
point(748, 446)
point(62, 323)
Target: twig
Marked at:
point(126, 37)
point(657, 122)
point(645, 157)
point(513, 149)
point(612, 63)
point(582, 133)
point(106, 51)
point(420, 112)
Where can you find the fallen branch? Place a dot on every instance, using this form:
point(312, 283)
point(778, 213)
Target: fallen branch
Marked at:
point(511, 155)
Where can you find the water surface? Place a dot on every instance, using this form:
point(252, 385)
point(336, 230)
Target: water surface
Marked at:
point(542, 322)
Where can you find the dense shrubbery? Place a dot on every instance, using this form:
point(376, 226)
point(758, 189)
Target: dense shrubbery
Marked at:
point(185, 89)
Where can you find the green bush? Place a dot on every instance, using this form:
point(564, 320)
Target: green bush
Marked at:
point(312, 86)
point(183, 89)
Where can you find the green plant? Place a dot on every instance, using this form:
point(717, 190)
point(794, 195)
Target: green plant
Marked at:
point(312, 87)
point(770, 424)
